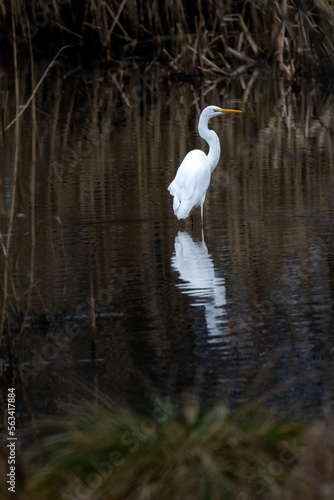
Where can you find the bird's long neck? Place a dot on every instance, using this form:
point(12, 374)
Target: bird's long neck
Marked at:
point(212, 139)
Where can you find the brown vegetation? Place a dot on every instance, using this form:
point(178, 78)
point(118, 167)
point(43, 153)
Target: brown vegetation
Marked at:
point(196, 38)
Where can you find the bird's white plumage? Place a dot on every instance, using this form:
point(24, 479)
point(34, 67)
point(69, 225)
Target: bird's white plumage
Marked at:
point(191, 183)
point(193, 176)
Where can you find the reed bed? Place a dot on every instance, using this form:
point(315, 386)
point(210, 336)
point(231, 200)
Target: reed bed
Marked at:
point(199, 38)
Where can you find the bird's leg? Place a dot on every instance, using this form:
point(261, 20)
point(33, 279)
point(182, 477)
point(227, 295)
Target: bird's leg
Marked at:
point(202, 223)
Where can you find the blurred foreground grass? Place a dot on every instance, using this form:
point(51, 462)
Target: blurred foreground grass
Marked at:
point(178, 452)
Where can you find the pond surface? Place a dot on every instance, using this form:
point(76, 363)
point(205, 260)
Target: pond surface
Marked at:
point(124, 295)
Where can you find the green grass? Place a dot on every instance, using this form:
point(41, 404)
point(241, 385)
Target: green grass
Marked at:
point(180, 452)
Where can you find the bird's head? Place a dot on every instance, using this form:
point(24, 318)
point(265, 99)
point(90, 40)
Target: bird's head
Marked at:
point(211, 111)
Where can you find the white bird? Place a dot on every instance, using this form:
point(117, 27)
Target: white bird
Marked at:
point(193, 176)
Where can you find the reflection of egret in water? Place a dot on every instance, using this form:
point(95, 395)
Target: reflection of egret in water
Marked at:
point(195, 267)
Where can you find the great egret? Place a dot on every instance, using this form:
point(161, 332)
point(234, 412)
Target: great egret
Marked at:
point(193, 176)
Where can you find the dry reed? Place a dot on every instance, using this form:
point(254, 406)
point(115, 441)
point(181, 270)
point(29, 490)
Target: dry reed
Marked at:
point(202, 38)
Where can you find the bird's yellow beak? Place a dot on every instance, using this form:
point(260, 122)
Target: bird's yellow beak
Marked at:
point(230, 111)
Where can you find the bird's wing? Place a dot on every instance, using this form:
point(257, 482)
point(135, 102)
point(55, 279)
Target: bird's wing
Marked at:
point(193, 175)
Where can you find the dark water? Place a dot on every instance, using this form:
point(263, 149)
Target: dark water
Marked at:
point(122, 291)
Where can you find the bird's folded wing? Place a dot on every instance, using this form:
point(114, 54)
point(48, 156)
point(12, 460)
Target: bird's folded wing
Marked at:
point(193, 176)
